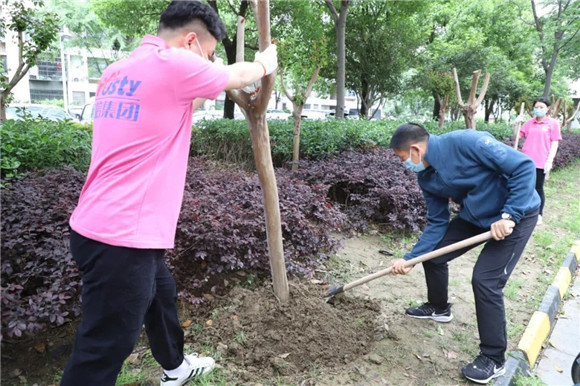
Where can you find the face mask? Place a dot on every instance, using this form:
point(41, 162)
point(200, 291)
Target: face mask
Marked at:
point(409, 164)
point(539, 112)
point(200, 50)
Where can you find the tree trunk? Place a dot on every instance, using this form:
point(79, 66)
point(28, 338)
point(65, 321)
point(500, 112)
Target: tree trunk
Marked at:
point(255, 112)
point(488, 105)
point(443, 103)
point(549, 73)
point(2, 107)
point(265, 168)
point(436, 106)
point(470, 108)
point(364, 108)
point(469, 116)
point(297, 116)
point(341, 60)
point(340, 31)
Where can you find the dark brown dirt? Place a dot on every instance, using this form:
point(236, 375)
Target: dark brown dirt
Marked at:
point(253, 331)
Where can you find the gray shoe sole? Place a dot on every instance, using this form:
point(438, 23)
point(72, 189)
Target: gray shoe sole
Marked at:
point(484, 381)
point(437, 318)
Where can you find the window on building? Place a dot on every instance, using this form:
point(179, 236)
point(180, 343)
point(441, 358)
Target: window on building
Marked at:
point(49, 70)
point(37, 96)
point(96, 67)
point(78, 98)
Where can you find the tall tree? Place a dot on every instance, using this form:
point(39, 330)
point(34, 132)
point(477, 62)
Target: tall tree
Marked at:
point(558, 27)
point(382, 42)
point(35, 31)
point(302, 51)
point(339, 18)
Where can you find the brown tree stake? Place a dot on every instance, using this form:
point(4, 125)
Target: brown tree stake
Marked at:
point(254, 105)
point(470, 108)
point(518, 126)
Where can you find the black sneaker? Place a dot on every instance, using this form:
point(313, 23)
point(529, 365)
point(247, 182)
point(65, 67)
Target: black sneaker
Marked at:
point(483, 369)
point(429, 311)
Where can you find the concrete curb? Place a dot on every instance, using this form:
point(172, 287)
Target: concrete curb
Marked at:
point(541, 323)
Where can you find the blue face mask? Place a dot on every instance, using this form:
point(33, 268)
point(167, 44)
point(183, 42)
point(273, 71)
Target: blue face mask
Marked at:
point(409, 164)
point(539, 112)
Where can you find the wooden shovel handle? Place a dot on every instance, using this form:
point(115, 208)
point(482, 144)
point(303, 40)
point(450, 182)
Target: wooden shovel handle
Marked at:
point(427, 256)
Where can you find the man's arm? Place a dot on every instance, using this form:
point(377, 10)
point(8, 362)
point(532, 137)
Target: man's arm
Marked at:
point(244, 73)
point(437, 224)
point(198, 102)
point(518, 169)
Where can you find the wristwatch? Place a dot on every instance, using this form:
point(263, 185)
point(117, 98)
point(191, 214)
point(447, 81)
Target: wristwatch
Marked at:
point(507, 216)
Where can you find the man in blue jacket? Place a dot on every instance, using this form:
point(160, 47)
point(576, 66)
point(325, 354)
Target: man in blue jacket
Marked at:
point(495, 186)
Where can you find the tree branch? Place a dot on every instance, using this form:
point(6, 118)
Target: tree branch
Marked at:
point(311, 83)
point(457, 88)
point(483, 89)
point(284, 90)
point(332, 9)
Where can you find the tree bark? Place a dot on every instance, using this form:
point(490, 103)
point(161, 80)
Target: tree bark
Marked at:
point(340, 31)
point(470, 108)
point(255, 112)
point(297, 117)
point(436, 105)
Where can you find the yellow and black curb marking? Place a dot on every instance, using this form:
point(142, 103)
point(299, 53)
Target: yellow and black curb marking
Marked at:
point(542, 321)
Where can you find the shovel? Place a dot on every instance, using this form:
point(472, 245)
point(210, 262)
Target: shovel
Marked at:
point(335, 290)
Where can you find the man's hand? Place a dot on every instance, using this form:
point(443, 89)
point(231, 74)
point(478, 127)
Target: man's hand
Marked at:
point(268, 59)
point(502, 228)
point(548, 166)
point(399, 267)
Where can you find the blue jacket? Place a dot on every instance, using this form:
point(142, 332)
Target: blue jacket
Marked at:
point(482, 174)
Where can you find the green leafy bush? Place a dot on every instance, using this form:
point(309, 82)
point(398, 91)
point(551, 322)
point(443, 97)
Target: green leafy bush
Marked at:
point(34, 144)
point(230, 140)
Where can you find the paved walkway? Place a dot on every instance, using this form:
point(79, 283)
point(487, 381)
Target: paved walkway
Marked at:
point(554, 367)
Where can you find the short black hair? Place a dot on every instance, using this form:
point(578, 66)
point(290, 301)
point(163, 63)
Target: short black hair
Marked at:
point(406, 134)
point(543, 100)
point(180, 13)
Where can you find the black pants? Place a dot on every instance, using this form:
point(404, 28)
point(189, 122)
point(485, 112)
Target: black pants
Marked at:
point(490, 274)
point(123, 288)
point(540, 179)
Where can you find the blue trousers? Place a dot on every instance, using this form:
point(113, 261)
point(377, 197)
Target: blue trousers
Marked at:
point(494, 266)
point(123, 289)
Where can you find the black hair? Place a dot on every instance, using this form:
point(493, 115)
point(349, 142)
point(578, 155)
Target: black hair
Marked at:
point(406, 134)
point(180, 13)
point(542, 100)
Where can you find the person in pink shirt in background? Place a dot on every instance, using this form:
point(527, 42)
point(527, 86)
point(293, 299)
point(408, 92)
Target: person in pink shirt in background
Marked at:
point(128, 208)
point(542, 134)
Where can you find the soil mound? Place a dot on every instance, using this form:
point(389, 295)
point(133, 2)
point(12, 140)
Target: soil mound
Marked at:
point(253, 331)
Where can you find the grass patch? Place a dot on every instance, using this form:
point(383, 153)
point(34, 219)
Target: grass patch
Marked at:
point(512, 289)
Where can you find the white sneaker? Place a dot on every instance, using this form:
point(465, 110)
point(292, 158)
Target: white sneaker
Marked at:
point(198, 366)
point(540, 221)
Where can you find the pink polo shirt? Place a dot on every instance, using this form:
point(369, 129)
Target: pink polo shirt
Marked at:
point(141, 137)
point(539, 137)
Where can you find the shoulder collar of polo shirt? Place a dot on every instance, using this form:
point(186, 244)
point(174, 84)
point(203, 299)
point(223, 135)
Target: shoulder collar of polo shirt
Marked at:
point(154, 40)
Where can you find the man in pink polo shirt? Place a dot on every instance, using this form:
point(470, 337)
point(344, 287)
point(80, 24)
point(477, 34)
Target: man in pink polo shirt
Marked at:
point(128, 208)
point(542, 134)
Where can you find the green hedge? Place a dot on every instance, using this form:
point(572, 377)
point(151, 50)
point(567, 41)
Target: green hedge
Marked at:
point(230, 140)
point(33, 144)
